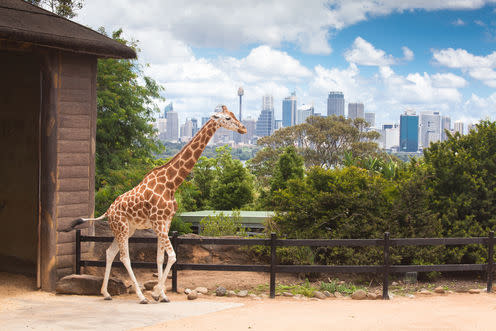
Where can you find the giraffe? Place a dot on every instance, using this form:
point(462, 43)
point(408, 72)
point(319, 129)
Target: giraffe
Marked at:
point(151, 204)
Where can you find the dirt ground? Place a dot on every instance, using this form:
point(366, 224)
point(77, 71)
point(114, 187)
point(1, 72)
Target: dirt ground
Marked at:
point(455, 311)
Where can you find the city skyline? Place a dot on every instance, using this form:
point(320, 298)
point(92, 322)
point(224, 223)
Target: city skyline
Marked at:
point(428, 56)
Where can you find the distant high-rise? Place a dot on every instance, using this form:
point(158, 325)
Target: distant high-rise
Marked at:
point(370, 118)
point(303, 112)
point(250, 125)
point(458, 127)
point(241, 92)
point(172, 125)
point(335, 104)
point(161, 126)
point(289, 110)
point(430, 128)
point(187, 130)
point(356, 110)
point(266, 121)
point(167, 109)
point(194, 121)
point(445, 125)
point(390, 136)
point(205, 120)
point(409, 132)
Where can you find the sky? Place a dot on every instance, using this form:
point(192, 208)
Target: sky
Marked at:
point(422, 55)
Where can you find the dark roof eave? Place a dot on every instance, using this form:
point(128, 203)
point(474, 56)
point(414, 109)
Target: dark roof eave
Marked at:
point(114, 50)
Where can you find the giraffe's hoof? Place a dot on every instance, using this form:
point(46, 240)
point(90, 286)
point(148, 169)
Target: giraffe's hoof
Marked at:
point(166, 299)
point(107, 298)
point(144, 301)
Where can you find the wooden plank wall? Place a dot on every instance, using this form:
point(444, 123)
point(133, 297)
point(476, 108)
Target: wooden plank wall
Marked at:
point(76, 131)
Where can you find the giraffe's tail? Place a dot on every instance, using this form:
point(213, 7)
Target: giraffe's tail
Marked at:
point(74, 224)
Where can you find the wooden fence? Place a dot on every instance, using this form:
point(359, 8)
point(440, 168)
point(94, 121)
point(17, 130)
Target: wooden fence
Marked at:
point(384, 269)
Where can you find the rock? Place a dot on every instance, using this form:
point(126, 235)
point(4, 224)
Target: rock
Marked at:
point(132, 290)
point(314, 299)
point(359, 295)
point(394, 284)
point(264, 296)
point(88, 285)
point(242, 294)
point(319, 295)
point(149, 285)
point(202, 290)
point(450, 292)
point(439, 290)
point(338, 294)
point(287, 294)
point(251, 295)
point(328, 294)
point(220, 291)
point(193, 295)
point(231, 293)
point(474, 291)
point(411, 296)
point(425, 292)
point(371, 296)
point(187, 291)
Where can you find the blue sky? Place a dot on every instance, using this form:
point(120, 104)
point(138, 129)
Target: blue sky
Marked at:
point(391, 55)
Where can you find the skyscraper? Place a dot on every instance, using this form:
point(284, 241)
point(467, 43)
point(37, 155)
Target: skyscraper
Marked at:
point(370, 118)
point(458, 127)
point(430, 128)
point(172, 125)
point(356, 110)
point(289, 110)
point(266, 121)
point(409, 132)
point(335, 104)
point(194, 121)
point(303, 112)
point(445, 125)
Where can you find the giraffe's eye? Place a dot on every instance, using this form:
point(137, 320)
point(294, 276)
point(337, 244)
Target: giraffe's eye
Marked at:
point(228, 118)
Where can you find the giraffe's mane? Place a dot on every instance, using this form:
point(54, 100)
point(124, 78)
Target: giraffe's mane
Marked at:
point(175, 157)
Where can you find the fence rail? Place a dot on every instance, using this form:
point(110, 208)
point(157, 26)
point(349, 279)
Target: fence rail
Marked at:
point(273, 268)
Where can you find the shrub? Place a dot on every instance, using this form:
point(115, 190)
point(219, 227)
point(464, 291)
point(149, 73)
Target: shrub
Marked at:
point(221, 225)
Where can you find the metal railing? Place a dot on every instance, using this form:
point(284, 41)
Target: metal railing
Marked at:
point(273, 268)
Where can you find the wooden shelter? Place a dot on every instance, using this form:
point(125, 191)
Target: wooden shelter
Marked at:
point(48, 67)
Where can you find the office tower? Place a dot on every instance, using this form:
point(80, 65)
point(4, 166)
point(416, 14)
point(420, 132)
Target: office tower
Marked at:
point(277, 124)
point(335, 104)
point(194, 121)
point(250, 125)
point(161, 126)
point(167, 109)
point(445, 125)
point(370, 118)
point(289, 110)
point(205, 120)
point(409, 132)
point(458, 127)
point(430, 128)
point(303, 112)
point(187, 130)
point(266, 121)
point(172, 125)
point(356, 110)
point(390, 137)
point(471, 126)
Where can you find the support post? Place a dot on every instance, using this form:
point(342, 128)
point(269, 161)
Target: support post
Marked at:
point(174, 266)
point(385, 280)
point(273, 258)
point(490, 253)
point(78, 252)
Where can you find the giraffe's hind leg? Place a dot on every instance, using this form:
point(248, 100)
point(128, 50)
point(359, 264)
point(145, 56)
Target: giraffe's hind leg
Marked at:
point(163, 245)
point(111, 253)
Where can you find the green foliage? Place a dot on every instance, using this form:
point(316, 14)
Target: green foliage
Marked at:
point(221, 225)
point(125, 105)
point(180, 226)
point(64, 8)
point(289, 166)
point(305, 289)
point(335, 285)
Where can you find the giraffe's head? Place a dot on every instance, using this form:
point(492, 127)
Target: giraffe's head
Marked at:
point(226, 119)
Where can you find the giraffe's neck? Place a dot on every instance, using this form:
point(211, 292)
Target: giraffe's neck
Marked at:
point(178, 168)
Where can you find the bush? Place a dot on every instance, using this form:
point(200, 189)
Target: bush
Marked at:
point(221, 225)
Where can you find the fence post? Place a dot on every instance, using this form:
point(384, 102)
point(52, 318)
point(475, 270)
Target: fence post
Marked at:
point(174, 266)
point(273, 262)
point(490, 253)
point(385, 280)
point(78, 252)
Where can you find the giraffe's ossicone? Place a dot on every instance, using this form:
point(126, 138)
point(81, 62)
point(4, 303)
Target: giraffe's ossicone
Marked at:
point(151, 205)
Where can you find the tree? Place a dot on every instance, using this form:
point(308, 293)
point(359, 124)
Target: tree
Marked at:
point(289, 166)
point(65, 8)
point(232, 188)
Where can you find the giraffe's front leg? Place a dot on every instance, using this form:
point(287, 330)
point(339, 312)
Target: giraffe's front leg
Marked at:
point(163, 245)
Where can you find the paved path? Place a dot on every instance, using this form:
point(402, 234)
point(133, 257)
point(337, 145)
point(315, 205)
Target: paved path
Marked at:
point(93, 313)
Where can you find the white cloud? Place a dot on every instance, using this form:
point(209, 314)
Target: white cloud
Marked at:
point(448, 80)
point(478, 67)
point(364, 53)
point(458, 22)
point(407, 53)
